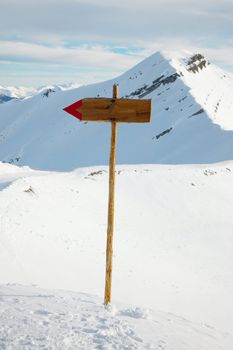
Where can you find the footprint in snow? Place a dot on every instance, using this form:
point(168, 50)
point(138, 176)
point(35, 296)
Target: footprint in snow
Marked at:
point(42, 312)
point(136, 312)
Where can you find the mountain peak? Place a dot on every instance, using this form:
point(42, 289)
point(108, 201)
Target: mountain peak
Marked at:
point(192, 118)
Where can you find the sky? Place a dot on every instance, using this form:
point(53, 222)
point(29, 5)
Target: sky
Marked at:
point(85, 41)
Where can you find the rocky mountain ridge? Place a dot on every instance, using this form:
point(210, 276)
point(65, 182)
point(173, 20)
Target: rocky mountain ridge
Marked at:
point(192, 119)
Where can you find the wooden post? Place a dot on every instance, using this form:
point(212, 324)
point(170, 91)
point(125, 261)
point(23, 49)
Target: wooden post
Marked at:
point(114, 110)
point(111, 195)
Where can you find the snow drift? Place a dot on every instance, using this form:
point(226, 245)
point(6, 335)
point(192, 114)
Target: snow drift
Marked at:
point(33, 318)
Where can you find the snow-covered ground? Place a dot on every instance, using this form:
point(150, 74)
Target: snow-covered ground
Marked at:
point(173, 236)
point(33, 318)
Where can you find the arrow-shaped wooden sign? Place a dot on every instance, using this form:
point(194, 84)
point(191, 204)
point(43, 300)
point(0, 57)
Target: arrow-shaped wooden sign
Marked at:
point(110, 109)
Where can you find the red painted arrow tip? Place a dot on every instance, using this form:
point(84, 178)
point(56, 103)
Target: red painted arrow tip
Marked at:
point(73, 109)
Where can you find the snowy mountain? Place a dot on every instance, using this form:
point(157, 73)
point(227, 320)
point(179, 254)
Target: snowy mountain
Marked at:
point(173, 238)
point(17, 91)
point(20, 92)
point(192, 119)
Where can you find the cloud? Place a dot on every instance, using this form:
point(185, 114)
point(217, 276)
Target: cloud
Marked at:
point(97, 36)
point(117, 22)
point(84, 56)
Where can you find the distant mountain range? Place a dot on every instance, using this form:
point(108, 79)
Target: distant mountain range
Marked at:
point(11, 92)
point(19, 92)
point(192, 119)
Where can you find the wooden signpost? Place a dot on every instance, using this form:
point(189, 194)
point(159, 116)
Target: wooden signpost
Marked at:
point(112, 110)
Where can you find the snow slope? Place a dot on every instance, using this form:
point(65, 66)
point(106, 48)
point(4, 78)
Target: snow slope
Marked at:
point(33, 318)
point(173, 235)
point(192, 119)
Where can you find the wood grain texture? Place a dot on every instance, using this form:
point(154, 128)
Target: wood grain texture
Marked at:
point(118, 110)
point(111, 197)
